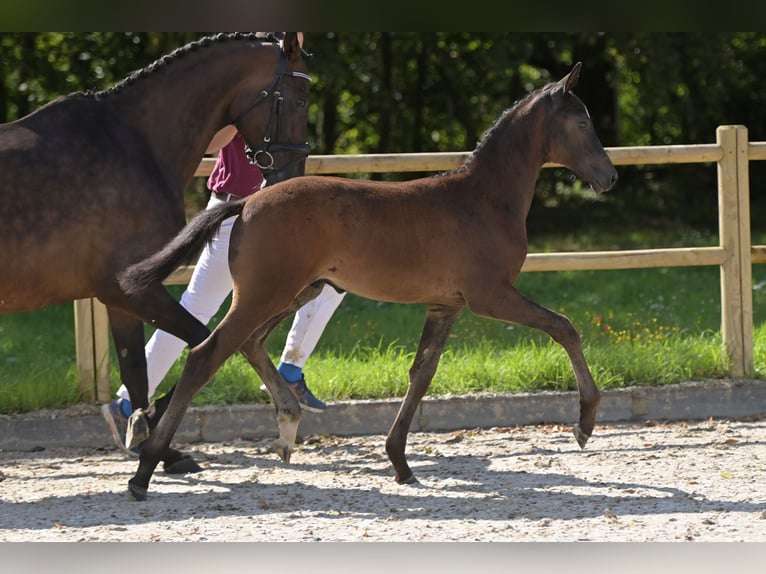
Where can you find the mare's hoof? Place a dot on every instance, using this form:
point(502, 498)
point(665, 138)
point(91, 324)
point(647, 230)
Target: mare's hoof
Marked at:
point(138, 429)
point(138, 492)
point(580, 436)
point(284, 452)
point(183, 465)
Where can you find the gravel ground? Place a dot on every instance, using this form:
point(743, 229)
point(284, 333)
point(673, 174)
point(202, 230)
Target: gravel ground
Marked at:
point(687, 481)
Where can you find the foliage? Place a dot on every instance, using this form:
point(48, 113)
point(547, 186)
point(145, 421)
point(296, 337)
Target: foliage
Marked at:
point(439, 91)
point(389, 92)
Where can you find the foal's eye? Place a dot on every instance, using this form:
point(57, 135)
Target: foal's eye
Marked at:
point(582, 124)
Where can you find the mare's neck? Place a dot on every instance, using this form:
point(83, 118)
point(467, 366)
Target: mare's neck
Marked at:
point(181, 108)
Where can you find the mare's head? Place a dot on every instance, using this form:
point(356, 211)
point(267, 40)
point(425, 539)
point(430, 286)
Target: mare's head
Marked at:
point(275, 126)
point(572, 141)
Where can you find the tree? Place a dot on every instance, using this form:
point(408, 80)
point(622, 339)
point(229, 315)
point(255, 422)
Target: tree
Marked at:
point(388, 92)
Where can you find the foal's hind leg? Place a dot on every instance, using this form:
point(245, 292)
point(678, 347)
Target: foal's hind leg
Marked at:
point(515, 308)
point(287, 408)
point(439, 321)
point(202, 363)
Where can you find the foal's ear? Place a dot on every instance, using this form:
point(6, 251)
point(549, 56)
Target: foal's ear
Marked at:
point(292, 46)
point(571, 78)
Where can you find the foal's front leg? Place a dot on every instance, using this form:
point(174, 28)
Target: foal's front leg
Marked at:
point(513, 307)
point(439, 321)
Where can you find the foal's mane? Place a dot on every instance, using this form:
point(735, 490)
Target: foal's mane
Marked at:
point(505, 117)
point(181, 52)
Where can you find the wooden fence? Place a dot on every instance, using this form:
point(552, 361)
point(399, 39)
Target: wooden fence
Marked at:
point(734, 254)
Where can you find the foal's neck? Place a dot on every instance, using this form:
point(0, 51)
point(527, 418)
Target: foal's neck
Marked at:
point(507, 163)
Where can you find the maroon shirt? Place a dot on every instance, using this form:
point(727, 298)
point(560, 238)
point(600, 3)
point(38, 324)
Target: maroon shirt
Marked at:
point(233, 173)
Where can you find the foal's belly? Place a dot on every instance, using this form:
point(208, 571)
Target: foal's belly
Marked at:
point(398, 285)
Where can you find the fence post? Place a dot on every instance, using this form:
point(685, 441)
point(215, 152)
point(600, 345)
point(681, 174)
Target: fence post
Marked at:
point(734, 233)
point(91, 325)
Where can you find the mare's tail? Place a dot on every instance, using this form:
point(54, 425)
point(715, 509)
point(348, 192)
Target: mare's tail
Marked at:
point(182, 249)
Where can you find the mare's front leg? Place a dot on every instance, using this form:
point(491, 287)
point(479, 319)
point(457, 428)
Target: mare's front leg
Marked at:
point(128, 336)
point(438, 324)
point(153, 305)
point(511, 306)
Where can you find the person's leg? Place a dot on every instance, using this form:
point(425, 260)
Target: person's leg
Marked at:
point(208, 288)
point(308, 325)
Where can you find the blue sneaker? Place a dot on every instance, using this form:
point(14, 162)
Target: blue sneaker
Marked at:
point(306, 398)
point(118, 425)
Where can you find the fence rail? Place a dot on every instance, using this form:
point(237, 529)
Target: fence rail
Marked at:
point(734, 255)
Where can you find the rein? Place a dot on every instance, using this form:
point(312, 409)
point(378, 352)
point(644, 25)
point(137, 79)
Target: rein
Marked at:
point(261, 156)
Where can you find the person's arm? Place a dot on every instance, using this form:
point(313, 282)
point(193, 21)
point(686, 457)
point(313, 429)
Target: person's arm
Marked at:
point(221, 138)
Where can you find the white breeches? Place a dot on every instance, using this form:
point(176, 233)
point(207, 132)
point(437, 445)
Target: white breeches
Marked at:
point(208, 288)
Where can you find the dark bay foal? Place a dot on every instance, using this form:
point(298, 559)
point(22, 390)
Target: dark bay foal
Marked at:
point(452, 240)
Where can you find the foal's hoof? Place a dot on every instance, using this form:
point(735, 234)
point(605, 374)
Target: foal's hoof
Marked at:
point(580, 436)
point(138, 429)
point(138, 492)
point(284, 452)
point(183, 465)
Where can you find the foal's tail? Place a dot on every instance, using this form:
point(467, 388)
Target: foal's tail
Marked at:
point(183, 249)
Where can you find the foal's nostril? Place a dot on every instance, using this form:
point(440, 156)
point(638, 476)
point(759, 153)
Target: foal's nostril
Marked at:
point(613, 179)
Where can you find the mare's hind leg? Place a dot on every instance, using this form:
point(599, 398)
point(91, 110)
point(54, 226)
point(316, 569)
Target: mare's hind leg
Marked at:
point(439, 321)
point(515, 308)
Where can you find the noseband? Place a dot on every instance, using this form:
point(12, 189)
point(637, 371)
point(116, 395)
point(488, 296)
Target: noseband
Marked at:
point(261, 156)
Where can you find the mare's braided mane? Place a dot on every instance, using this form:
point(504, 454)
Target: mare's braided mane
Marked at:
point(181, 52)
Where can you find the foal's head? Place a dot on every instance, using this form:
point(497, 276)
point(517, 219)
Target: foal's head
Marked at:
point(572, 141)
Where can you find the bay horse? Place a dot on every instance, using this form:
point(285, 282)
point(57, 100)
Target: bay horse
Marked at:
point(93, 182)
point(449, 240)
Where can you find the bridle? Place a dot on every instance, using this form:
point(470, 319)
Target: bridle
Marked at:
point(261, 156)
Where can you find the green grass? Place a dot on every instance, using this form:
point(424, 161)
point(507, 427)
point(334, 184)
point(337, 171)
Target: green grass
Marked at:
point(639, 327)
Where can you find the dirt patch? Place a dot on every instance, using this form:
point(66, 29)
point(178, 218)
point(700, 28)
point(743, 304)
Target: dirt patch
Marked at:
point(633, 482)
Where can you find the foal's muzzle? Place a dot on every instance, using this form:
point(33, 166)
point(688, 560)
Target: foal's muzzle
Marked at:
point(605, 183)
